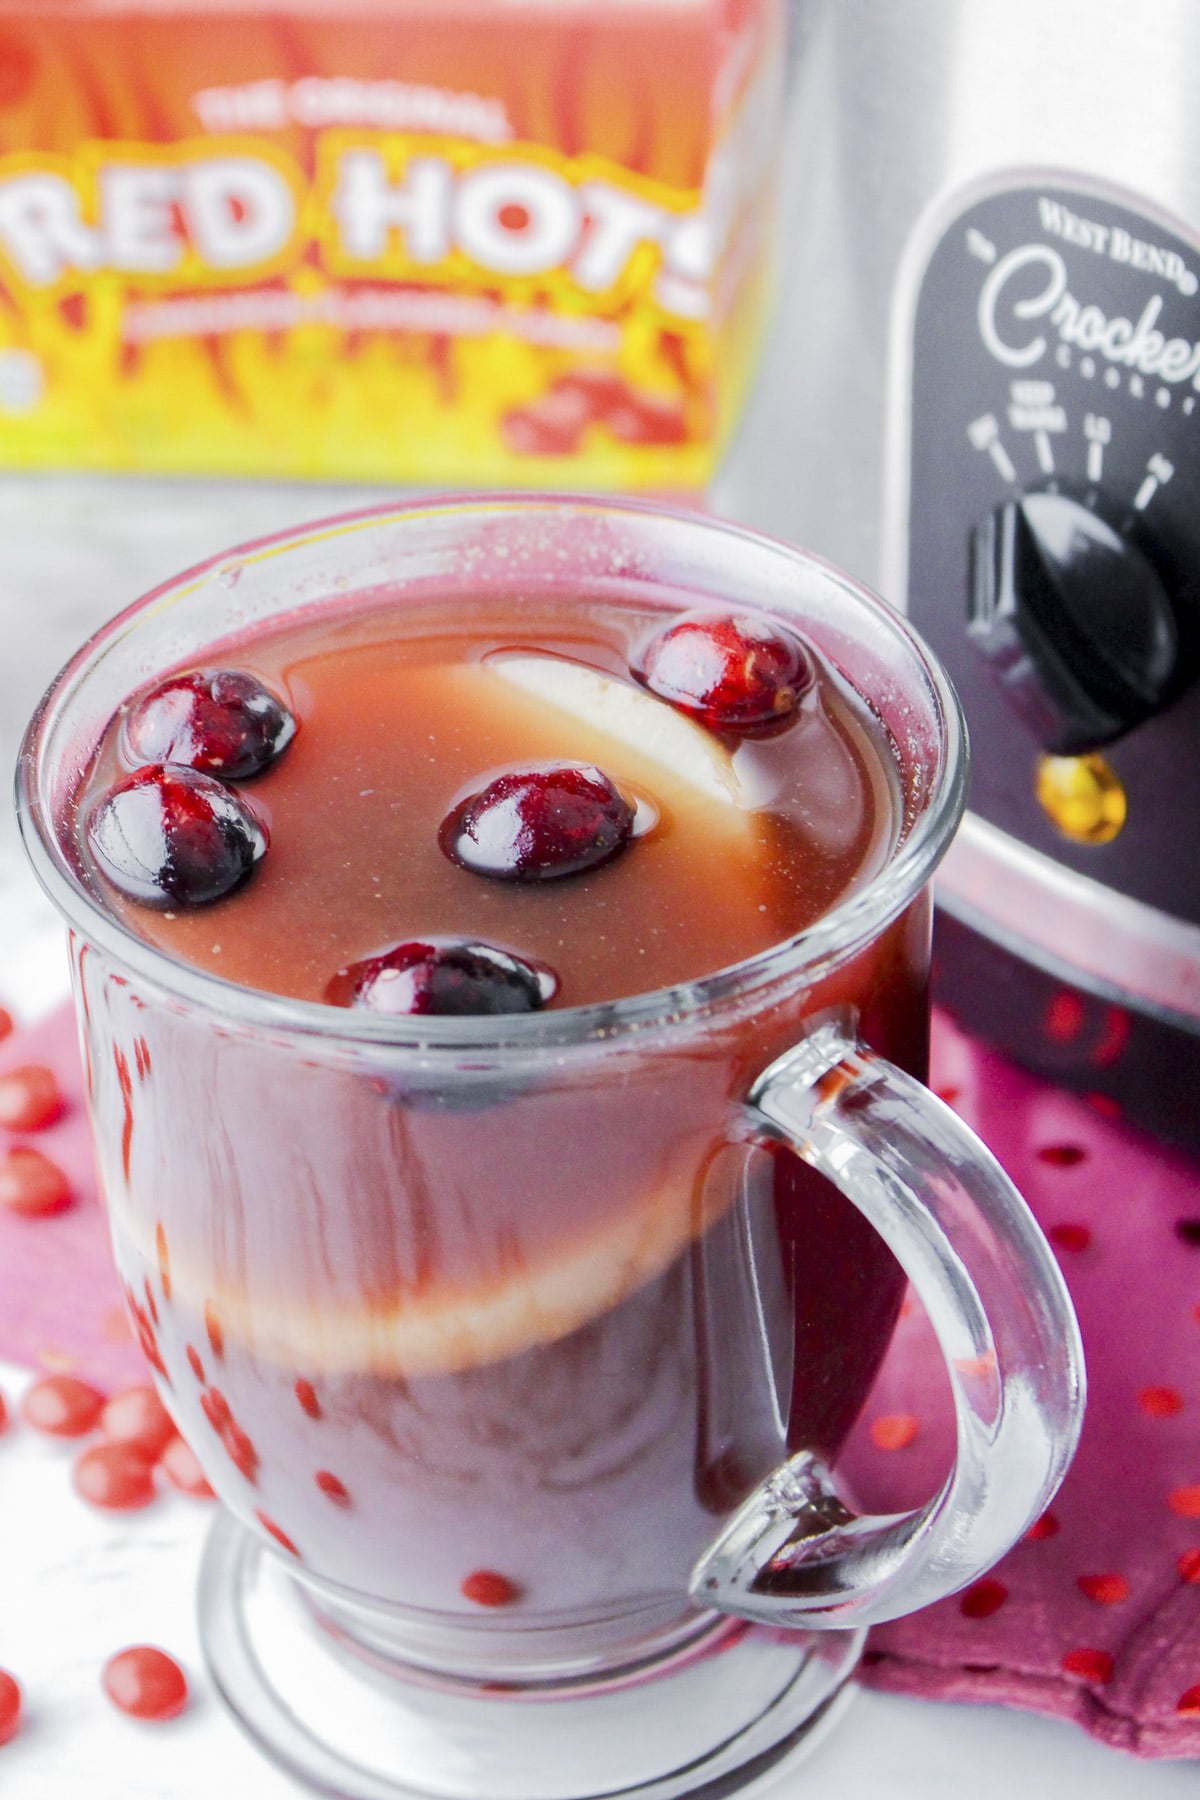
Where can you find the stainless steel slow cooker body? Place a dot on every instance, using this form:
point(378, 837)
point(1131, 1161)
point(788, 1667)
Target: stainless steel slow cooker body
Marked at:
point(983, 397)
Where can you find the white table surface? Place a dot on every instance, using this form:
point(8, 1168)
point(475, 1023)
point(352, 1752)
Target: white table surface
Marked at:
point(77, 1584)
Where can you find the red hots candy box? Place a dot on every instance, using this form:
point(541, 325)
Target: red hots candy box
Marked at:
point(428, 241)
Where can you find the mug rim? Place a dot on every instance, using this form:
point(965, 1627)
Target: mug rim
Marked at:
point(833, 938)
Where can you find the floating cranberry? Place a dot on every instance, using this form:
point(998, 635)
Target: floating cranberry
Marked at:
point(167, 835)
point(62, 1405)
point(30, 1098)
point(447, 976)
point(732, 671)
point(220, 721)
point(137, 1416)
point(32, 1185)
point(537, 823)
point(146, 1683)
point(181, 1466)
point(118, 1477)
point(10, 1706)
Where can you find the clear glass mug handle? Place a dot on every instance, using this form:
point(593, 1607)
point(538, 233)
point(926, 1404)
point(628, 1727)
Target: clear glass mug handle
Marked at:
point(794, 1553)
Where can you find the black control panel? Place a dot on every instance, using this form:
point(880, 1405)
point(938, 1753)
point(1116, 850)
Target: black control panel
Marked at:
point(1054, 516)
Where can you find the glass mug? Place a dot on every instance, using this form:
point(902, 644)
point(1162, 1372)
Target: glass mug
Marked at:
point(601, 1477)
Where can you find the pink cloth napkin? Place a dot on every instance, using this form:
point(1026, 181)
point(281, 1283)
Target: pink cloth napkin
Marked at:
point(1096, 1615)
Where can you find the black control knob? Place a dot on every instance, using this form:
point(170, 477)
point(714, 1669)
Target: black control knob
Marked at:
point(1073, 620)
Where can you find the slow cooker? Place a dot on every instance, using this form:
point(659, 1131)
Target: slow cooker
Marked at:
point(983, 397)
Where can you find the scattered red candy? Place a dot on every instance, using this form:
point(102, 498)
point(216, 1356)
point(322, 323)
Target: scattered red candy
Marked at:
point(215, 1408)
point(146, 1683)
point(539, 823)
point(1091, 1665)
point(1104, 1590)
point(1062, 1156)
point(168, 835)
point(221, 721)
point(181, 1466)
point(118, 1477)
point(732, 671)
point(306, 1394)
point(487, 1588)
point(333, 1488)
point(62, 1405)
point(32, 1185)
point(1105, 1104)
point(30, 1098)
point(1069, 1236)
point(983, 1599)
point(1161, 1402)
point(137, 1416)
point(6, 1022)
point(894, 1431)
point(1065, 1016)
point(277, 1532)
point(1189, 1566)
point(161, 1252)
point(445, 976)
point(10, 1706)
point(241, 1451)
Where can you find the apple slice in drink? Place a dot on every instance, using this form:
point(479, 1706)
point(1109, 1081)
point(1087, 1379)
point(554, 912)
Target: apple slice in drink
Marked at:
point(637, 735)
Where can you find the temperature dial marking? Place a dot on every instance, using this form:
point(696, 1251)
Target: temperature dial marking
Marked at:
point(1098, 432)
point(1158, 472)
point(1033, 409)
point(984, 434)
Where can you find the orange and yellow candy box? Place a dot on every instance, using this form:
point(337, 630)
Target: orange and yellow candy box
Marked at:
point(420, 241)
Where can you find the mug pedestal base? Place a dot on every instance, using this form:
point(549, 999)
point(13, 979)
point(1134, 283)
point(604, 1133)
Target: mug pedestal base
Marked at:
point(710, 1718)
